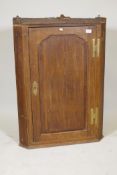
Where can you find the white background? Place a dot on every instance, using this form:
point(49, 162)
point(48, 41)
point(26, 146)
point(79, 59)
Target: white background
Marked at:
point(46, 8)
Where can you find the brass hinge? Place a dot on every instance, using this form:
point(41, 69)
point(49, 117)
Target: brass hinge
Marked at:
point(95, 47)
point(94, 116)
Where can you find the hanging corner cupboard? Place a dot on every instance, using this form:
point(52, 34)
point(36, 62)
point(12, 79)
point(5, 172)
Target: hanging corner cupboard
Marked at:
point(60, 79)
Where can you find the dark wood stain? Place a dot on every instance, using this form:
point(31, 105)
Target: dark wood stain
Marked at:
point(57, 54)
point(61, 66)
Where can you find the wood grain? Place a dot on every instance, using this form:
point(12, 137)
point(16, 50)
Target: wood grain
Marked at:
point(57, 54)
point(62, 66)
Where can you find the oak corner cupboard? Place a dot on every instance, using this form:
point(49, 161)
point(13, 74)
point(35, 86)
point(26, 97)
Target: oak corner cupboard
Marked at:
point(60, 79)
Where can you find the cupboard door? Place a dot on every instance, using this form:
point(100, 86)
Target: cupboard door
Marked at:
point(62, 79)
point(59, 63)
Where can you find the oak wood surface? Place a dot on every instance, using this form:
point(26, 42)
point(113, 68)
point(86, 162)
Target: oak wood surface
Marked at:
point(57, 54)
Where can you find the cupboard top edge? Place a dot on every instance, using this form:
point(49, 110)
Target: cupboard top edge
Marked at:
point(59, 20)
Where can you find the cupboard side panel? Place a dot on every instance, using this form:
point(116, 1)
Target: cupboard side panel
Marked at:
point(99, 80)
point(102, 69)
point(22, 81)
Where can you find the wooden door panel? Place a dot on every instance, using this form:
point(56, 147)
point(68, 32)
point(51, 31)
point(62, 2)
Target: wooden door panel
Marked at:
point(62, 80)
point(59, 63)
